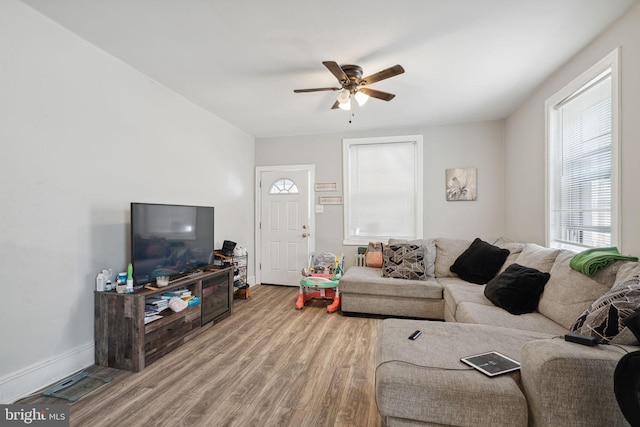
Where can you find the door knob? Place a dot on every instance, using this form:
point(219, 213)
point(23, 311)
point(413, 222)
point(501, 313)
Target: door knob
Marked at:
point(304, 234)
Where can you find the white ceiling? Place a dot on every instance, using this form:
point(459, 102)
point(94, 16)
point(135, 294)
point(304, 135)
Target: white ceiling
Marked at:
point(465, 60)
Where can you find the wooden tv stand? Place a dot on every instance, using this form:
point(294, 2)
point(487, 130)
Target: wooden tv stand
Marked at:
point(124, 341)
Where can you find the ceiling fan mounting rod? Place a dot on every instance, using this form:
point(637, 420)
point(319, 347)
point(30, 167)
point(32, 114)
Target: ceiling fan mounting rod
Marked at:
point(354, 72)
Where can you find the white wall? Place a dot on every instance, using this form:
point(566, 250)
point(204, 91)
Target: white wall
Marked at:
point(477, 145)
point(525, 139)
point(82, 136)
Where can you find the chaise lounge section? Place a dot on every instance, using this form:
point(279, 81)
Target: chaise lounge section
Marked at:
point(423, 382)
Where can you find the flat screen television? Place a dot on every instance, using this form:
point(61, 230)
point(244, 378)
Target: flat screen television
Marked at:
point(170, 240)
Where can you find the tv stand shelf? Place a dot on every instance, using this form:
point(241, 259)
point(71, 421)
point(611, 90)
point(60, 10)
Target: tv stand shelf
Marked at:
point(124, 341)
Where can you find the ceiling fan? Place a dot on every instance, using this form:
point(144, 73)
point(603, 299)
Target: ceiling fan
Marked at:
point(353, 85)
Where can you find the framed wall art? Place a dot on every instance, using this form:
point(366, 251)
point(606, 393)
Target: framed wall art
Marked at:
point(331, 200)
point(462, 184)
point(326, 186)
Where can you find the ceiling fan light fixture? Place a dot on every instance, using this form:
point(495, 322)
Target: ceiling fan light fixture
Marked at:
point(345, 105)
point(361, 98)
point(344, 96)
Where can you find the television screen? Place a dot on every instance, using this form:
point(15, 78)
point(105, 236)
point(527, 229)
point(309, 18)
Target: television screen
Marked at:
point(170, 240)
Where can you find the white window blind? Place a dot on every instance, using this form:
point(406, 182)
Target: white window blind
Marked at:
point(581, 166)
point(382, 179)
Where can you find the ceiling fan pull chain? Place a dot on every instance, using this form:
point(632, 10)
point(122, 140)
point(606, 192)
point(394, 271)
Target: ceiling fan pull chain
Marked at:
point(352, 111)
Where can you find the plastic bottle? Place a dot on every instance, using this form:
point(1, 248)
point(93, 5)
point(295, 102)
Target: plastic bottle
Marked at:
point(107, 276)
point(130, 279)
point(100, 283)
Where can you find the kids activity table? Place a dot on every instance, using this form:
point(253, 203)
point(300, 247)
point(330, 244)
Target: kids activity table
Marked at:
point(315, 287)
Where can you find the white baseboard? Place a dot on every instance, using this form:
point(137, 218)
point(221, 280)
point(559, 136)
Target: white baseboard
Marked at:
point(251, 280)
point(35, 377)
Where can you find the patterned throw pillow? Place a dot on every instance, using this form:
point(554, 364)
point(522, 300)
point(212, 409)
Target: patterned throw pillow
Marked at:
point(403, 262)
point(605, 318)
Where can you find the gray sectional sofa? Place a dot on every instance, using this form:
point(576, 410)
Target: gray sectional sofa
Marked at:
point(423, 382)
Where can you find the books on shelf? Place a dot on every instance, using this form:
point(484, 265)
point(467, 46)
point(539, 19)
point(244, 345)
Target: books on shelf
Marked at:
point(180, 293)
point(155, 301)
point(149, 319)
point(154, 309)
point(155, 305)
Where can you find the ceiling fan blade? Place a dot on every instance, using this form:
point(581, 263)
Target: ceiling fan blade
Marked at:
point(381, 75)
point(335, 105)
point(318, 89)
point(336, 71)
point(385, 96)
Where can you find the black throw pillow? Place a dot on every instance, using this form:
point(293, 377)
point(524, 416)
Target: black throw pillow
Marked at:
point(626, 386)
point(517, 289)
point(480, 262)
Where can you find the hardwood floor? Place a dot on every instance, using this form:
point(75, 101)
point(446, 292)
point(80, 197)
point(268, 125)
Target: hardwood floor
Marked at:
point(266, 365)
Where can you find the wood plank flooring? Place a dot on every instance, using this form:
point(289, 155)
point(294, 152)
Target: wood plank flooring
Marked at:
point(266, 365)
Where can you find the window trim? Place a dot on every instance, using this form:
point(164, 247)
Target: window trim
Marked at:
point(610, 61)
point(347, 143)
point(293, 187)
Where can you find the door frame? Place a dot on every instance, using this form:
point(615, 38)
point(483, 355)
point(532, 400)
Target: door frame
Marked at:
point(311, 169)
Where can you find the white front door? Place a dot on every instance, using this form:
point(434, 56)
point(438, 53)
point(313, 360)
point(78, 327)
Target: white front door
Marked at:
point(286, 231)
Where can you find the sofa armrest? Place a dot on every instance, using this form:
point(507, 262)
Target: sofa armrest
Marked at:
point(571, 384)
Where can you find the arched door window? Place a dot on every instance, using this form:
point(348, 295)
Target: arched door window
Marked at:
point(283, 186)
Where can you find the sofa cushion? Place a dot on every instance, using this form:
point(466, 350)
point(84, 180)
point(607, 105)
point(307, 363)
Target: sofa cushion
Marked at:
point(429, 255)
point(469, 312)
point(403, 261)
point(604, 319)
point(480, 262)
point(626, 271)
point(538, 257)
point(517, 289)
point(457, 290)
point(515, 249)
point(568, 292)
point(570, 385)
point(369, 280)
point(447, 251)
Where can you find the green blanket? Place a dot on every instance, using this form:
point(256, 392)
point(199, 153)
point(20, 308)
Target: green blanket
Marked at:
point(592, 260)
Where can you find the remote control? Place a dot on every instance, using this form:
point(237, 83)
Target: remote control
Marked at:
point(415, 335)
point(581, 339)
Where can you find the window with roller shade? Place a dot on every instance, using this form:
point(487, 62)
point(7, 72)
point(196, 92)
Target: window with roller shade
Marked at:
point(582, 156)
point(382, 188)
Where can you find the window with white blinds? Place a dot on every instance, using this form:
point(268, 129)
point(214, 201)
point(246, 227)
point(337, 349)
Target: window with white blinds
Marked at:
point(582, 159)
point(382, 188)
